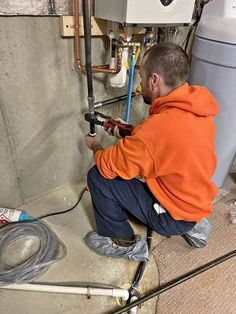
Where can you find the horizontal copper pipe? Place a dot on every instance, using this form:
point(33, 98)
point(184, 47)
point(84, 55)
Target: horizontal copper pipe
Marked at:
point(98, 69)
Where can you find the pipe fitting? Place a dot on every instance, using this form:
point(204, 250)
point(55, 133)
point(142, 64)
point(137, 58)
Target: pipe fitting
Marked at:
point(91, 104)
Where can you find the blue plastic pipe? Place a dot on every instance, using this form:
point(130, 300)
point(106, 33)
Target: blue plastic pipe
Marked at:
point(130, 88)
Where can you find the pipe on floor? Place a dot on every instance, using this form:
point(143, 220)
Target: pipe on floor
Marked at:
point(89, 291)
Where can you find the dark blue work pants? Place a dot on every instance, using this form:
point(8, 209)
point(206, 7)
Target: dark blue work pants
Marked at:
point(114, 199)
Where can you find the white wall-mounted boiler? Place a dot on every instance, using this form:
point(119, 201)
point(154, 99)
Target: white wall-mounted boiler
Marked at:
point(148, 12)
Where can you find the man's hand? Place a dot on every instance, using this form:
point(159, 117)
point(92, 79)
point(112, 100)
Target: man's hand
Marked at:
point(93, 143)
point(115, 131)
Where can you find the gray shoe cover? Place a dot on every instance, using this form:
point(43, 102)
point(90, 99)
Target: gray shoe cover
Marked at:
point(104, 246)
point(199, 235)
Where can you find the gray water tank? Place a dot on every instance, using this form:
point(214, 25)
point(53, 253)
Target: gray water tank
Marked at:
point(214, 66)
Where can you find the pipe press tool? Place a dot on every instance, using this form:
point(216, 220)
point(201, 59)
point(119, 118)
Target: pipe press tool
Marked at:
point(108, 122)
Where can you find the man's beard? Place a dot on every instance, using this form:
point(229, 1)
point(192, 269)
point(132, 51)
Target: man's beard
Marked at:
point(147, 100)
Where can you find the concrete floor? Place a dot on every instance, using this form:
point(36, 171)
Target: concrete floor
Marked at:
point(80, 264)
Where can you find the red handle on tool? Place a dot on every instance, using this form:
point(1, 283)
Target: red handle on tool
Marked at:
point(124, 129)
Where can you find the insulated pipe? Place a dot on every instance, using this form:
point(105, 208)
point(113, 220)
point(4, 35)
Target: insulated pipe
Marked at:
point(141, 269)
point(88, 58)
point(113, 292)
point(87, 40)
point(133, 294)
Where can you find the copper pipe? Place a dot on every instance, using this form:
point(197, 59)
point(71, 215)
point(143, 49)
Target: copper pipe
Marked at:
point(102, 70)
point(76, 37)
point(98, 69)
point(102, 66)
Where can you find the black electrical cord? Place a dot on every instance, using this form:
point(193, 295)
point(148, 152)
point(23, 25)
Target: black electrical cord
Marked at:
point(54, 213)
point(67, 210)
point(187, 38)
point(193, 26)
point(171, 284)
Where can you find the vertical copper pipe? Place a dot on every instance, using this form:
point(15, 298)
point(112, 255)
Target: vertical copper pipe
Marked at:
point(77, 37)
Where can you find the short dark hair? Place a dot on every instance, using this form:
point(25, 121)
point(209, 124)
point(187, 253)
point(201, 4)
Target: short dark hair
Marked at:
point(168, 60)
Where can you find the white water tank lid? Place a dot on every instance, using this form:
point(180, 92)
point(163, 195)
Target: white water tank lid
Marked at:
point(218, 29)
point(218, 21)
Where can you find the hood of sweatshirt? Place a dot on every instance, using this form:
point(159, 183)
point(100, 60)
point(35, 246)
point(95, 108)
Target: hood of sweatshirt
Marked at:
point(195, 99)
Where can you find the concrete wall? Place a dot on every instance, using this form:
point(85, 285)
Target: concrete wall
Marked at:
point(42, 106)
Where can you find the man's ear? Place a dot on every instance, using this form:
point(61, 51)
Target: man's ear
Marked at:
point(155, 81)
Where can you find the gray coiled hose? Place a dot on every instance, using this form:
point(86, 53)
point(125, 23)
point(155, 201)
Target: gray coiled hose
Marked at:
point(50, 251)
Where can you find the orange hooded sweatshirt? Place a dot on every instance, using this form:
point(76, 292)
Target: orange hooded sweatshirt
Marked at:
point(173, 149)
